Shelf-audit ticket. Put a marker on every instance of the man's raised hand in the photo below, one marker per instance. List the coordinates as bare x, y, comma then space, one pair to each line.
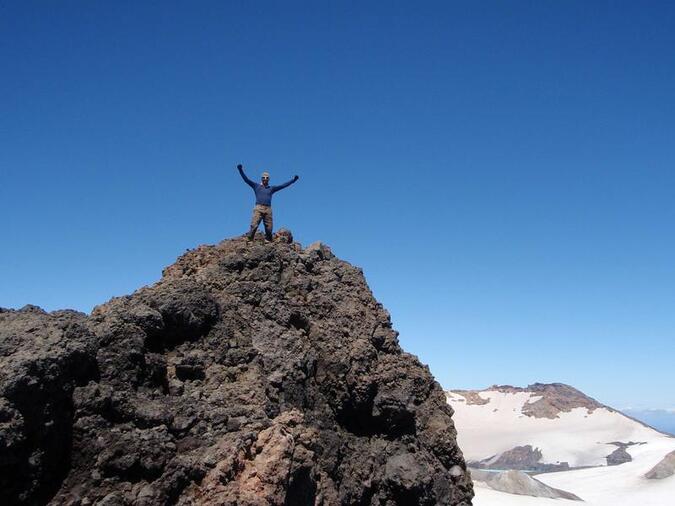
240, 166
295, 178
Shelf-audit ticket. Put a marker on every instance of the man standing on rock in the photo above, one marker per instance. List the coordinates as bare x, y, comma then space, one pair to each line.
263, 201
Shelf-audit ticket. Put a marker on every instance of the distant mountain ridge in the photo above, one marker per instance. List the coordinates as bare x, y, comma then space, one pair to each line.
555, 398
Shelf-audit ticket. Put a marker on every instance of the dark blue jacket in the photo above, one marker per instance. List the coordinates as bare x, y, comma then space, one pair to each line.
263, 194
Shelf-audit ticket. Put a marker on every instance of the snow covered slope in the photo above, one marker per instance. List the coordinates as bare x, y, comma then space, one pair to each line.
561, 425
623, 484
561, 422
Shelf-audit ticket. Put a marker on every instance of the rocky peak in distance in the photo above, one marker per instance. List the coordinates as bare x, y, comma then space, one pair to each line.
550, 399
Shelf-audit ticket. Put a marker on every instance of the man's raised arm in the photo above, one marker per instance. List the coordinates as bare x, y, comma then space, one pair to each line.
243, 176
287, 183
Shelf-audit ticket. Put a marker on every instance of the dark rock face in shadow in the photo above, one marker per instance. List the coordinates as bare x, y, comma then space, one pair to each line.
618, 456
251, 373
43, 358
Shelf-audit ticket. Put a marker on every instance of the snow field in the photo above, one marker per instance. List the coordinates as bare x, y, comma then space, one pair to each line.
579, 437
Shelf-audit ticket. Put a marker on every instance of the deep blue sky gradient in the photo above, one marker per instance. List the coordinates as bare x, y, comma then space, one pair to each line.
502, 171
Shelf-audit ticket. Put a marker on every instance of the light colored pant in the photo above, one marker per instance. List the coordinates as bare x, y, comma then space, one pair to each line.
264, 214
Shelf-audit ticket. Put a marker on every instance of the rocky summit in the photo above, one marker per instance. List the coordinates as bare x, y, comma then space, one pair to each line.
250, 374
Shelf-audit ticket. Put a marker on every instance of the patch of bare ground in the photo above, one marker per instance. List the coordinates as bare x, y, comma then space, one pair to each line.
471, 396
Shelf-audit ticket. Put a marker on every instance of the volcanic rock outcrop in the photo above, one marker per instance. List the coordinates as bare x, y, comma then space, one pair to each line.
250, 374
519, 483
664, 469
521, 458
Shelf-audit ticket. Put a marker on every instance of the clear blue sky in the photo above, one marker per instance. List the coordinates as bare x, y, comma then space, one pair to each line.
502, 171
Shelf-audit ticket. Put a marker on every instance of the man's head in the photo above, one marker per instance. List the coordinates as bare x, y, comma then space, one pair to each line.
265, 178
